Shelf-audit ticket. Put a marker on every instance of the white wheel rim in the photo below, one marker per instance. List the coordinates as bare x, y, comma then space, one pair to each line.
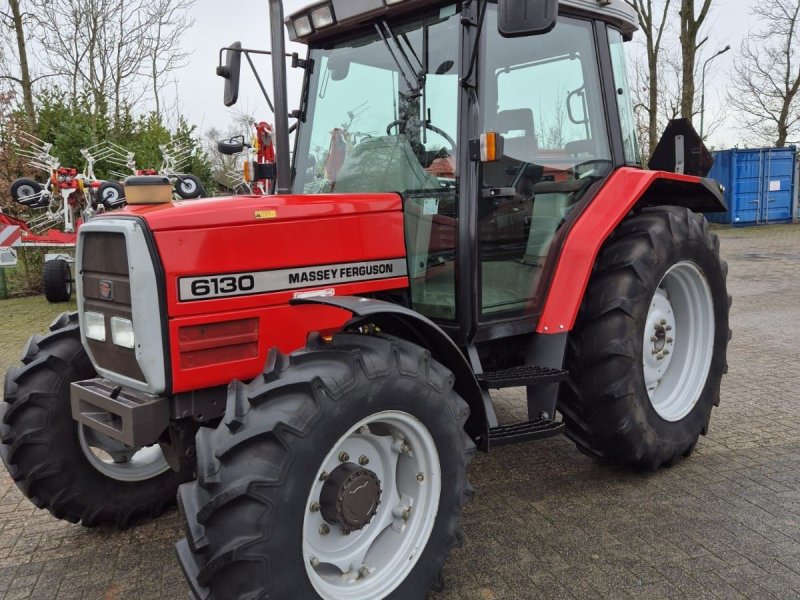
111, 195
117, 461
678, 341
374, 561
25, 192
188, 186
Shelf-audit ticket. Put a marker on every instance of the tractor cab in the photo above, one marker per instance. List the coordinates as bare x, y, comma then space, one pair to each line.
491, 140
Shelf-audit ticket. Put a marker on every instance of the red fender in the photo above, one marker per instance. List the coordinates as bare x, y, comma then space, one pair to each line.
623, 189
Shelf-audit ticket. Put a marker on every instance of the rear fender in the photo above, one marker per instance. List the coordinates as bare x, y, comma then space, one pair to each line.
625, 190
405, 323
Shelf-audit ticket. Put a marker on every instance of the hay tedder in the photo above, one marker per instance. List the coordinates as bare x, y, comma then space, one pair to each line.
311, 370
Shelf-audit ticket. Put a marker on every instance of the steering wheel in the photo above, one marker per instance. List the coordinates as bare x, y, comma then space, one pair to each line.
598, 162
433, 128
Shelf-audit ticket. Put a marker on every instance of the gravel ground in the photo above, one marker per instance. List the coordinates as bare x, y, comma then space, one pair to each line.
547, 522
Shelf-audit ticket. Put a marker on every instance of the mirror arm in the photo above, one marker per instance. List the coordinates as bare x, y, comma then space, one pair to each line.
465, 81
258, 79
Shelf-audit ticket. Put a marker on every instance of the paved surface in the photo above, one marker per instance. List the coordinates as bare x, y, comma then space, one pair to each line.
547, 522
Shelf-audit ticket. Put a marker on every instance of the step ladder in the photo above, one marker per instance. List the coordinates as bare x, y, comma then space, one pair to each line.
538, 428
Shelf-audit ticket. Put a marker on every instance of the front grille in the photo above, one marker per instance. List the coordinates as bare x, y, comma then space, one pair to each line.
106, 285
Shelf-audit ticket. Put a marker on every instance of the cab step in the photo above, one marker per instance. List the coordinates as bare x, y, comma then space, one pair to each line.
521, 376
524, 432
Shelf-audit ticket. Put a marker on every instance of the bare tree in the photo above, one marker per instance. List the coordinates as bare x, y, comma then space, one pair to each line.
168, 20
17, 19
116, 50
691, 24
653, 22
767, 79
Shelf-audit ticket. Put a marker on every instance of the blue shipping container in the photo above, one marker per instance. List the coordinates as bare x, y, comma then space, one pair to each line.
759, 185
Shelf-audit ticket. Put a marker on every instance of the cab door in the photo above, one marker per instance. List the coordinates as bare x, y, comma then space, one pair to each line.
544, 95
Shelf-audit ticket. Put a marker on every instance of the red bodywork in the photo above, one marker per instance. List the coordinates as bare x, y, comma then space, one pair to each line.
620, 193
214, 341
259, 233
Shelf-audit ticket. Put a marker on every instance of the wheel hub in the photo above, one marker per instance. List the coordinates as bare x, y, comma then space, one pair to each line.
350, 497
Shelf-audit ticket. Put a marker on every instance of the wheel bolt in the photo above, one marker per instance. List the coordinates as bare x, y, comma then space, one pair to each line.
660, 357
663, 321
363, 461
344, 457
666, 351
314, 561
405, 449
314, 507
406, 514
344, 531
670, 340
324, 529
668, 328
420, 478
363, 571
323, 476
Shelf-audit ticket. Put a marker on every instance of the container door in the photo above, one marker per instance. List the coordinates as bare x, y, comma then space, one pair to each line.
746, 196
777, 185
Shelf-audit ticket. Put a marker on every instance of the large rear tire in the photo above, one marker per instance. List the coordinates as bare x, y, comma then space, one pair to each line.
648, 351
257, 521
58, 464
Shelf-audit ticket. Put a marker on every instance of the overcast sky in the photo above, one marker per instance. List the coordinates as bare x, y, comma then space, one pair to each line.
218, 24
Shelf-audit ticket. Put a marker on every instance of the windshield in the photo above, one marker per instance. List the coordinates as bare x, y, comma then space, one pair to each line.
382, 110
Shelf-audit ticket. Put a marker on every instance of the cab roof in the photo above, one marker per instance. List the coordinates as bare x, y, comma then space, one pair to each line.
350, 14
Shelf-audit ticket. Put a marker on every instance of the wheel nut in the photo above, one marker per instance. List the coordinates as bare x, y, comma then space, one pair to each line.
405, 449
670, 340
668, 328
363, 461
363, 571
406, 514
344, 457
314, 561
663, 321
323, 476
324, 529
660, 357
666, 351
420, 478
314, 507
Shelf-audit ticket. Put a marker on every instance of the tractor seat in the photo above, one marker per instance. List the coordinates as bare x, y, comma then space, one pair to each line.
383, 164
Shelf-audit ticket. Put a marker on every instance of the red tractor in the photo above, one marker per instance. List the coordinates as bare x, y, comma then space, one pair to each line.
314, 368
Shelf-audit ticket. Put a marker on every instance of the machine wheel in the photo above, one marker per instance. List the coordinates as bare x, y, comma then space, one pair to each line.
111, 194
57, 281
27, 192
338, 474
189, 187
77, 474
648, 352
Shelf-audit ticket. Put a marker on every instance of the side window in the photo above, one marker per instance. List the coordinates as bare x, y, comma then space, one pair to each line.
624, 101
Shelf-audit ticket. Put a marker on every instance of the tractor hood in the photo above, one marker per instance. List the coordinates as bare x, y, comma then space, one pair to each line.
243, 210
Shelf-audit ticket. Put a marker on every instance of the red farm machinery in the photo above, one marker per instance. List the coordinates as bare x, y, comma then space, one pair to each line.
463, 210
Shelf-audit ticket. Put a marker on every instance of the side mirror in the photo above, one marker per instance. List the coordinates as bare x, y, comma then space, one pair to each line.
230, 72
517, 18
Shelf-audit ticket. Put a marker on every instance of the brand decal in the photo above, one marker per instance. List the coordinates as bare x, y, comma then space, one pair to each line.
106, 289
262, 282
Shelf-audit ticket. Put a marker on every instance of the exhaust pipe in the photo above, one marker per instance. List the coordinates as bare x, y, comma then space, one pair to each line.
283, 181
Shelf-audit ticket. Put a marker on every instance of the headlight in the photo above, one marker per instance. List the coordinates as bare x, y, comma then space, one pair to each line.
302, 26
322, 17
122, 332
95, 325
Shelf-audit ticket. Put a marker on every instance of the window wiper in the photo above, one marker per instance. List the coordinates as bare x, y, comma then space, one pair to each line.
382, 27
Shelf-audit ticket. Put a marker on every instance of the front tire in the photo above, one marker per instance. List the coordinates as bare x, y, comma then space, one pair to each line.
46, 454
648, 351
254, 527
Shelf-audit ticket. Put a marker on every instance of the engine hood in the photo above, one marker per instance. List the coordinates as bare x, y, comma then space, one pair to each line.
241, 210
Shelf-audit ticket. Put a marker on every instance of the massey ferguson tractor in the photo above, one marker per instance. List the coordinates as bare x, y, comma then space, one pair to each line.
311, 371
